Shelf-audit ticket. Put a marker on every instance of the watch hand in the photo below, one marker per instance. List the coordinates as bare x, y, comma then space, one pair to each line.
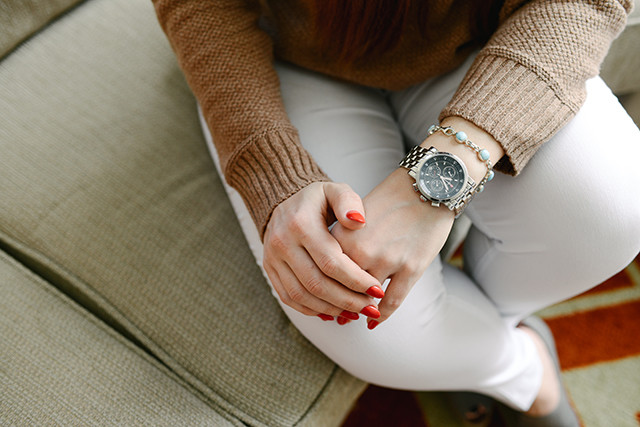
444, 181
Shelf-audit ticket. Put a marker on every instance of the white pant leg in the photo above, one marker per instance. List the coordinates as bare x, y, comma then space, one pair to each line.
572, 218
568, 222
443, 337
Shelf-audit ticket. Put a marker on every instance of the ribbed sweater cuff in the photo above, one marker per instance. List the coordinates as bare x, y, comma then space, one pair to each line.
520, 108
270, 168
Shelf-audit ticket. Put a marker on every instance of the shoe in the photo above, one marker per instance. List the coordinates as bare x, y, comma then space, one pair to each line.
563, 415
471, 409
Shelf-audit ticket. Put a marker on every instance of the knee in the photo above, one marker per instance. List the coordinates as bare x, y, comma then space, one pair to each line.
605, 173
619, 228
602, 225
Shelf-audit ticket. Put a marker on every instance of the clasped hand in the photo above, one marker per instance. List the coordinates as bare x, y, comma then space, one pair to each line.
339, 272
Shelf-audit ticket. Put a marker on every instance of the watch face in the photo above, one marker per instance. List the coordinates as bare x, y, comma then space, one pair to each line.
441, 177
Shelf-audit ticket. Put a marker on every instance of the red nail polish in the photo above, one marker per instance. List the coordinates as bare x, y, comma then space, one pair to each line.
325, 317
355, 216
372, 324
370, 311
342, 321
375, 291
349, 315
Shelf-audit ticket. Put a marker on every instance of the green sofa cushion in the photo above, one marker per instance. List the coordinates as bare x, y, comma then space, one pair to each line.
620, 67
108, 192
21, 18
59, 365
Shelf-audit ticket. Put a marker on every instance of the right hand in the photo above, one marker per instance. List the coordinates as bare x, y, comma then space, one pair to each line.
305, 263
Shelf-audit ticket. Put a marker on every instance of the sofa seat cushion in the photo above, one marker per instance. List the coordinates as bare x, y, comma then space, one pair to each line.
21, 18
108, 192
620, 67
60, 365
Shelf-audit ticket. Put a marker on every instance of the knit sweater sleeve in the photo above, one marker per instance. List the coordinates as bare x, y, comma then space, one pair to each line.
529, 79
228, 63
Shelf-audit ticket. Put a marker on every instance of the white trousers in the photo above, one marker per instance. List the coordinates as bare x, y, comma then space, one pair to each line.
569, 221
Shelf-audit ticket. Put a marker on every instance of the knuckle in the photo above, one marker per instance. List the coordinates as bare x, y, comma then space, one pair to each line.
411, 269
277, 241
414, 270
393, 303
298, 225
328, 264
344, 192
314, 286
296, 295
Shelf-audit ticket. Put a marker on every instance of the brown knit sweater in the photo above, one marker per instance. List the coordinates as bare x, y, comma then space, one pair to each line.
525, 84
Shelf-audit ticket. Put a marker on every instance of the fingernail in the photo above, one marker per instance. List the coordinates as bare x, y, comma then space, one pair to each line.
370, 311
342, 320
356, 216
349, 315
372, 324
325, 317
375, 291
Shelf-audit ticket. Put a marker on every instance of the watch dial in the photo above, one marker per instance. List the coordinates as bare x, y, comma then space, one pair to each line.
441, 177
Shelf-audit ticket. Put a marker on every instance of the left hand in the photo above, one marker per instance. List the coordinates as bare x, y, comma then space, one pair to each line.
402, 236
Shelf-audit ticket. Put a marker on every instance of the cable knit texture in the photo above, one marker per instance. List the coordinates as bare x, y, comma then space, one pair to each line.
525, 84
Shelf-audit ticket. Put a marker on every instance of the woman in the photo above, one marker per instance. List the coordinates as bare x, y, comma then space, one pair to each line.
510, 85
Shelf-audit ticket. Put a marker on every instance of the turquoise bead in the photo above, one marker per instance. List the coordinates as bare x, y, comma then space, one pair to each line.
461, 136
490, 176
480, 189
484, 155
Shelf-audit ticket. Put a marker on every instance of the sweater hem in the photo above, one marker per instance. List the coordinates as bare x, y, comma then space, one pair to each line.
271, 167
518, 106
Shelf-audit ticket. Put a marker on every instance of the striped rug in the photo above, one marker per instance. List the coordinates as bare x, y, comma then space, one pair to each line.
598, 340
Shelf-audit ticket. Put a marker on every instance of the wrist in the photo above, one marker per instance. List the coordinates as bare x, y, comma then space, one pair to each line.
397, 190
477, 168
454, 168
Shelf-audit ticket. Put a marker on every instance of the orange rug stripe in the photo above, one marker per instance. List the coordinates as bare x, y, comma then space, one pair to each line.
619, 281
598, 335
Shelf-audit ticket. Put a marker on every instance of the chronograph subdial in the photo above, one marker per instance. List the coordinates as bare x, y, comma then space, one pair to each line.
433, 171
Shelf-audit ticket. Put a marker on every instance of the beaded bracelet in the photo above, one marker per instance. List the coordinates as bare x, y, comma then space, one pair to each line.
461, 138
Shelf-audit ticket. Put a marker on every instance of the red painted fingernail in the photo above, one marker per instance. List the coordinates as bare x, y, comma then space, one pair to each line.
372, 324
342, 321
355, 216
325, 317
349, 315
370, 311
375, 291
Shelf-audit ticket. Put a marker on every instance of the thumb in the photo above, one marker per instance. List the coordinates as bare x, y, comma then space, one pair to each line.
346, 205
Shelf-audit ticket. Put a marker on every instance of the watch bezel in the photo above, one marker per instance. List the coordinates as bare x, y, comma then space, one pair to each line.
424, 192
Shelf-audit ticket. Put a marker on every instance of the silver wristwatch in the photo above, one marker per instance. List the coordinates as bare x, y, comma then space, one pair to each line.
441, 178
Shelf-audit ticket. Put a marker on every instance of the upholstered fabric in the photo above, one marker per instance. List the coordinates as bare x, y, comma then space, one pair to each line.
620, 68
21, 18
59, 364
109, 194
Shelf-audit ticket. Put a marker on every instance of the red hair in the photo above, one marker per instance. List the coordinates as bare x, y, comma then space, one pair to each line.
353, 29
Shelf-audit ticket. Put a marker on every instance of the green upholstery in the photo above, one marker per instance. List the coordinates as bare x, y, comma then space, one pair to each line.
21, 18
620, 68
108, 194
60, 365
